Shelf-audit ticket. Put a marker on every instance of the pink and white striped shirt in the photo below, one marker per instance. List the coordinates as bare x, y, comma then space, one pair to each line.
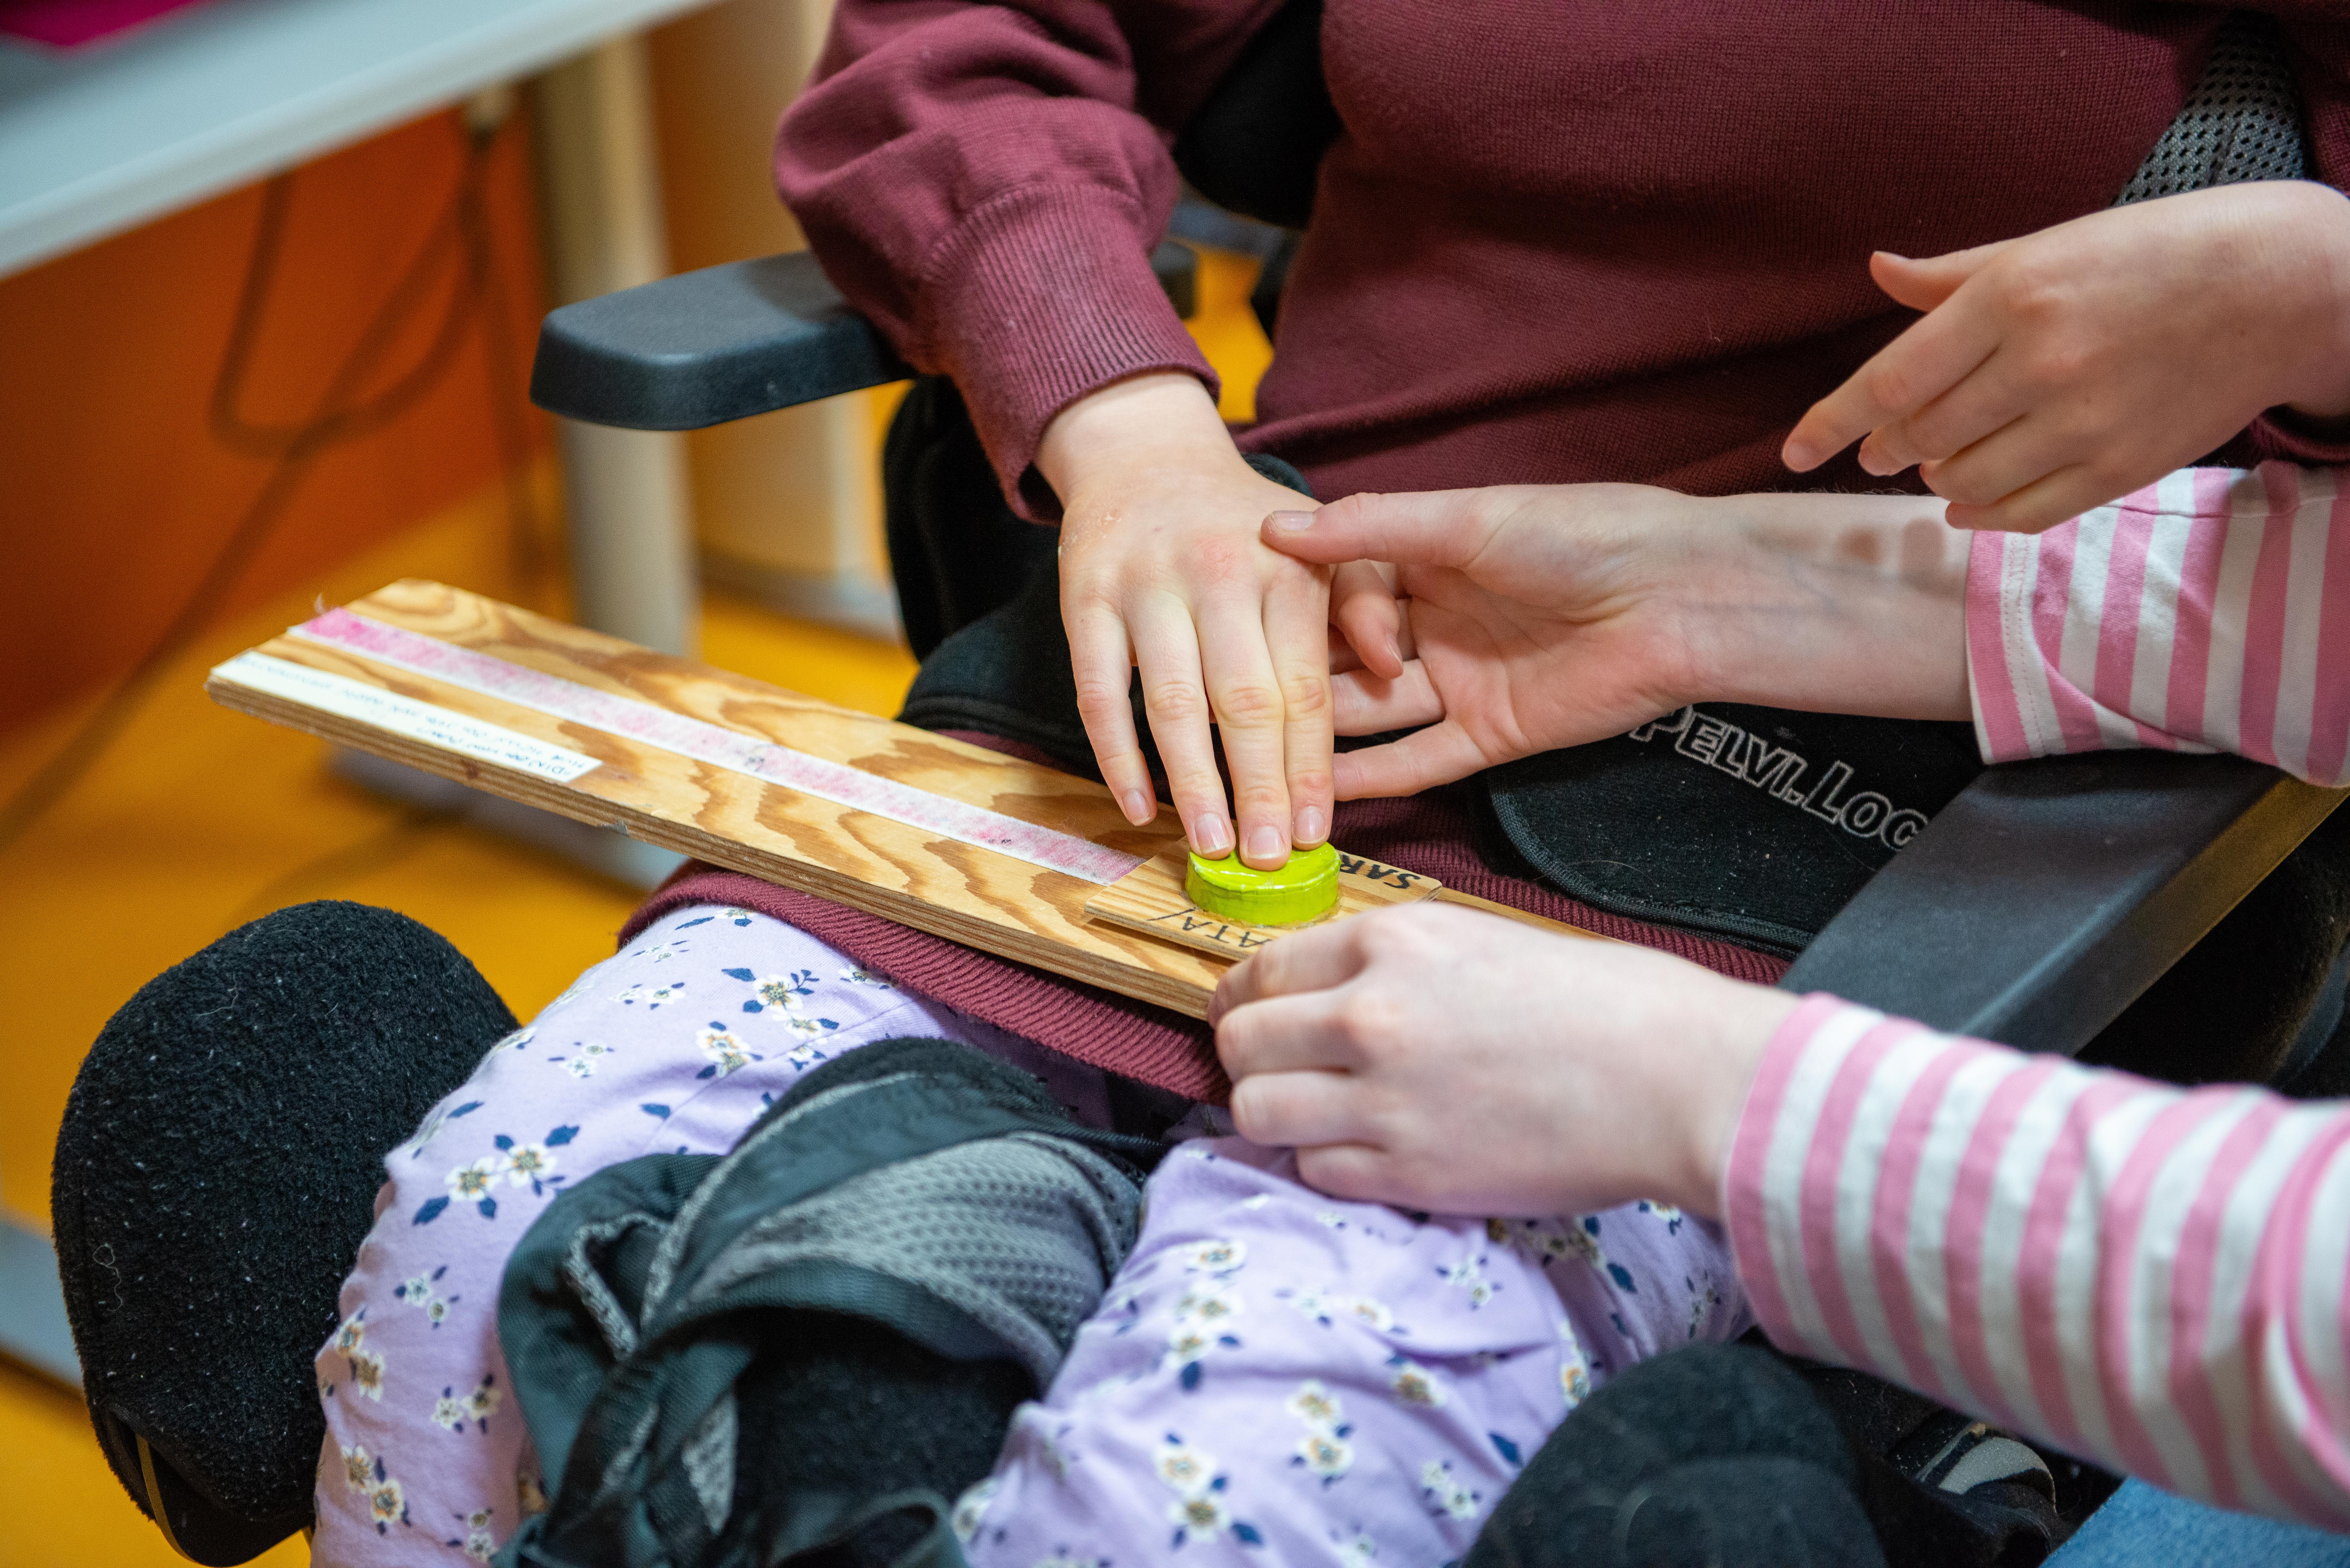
2209, 611
2153, 1278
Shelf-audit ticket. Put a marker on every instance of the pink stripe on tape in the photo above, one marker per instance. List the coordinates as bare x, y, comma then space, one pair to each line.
626, 717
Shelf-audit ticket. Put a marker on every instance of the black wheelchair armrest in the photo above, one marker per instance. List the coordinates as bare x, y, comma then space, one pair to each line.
2043, 899
727, 342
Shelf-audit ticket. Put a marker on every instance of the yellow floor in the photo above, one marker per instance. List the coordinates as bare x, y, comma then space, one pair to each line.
199, 819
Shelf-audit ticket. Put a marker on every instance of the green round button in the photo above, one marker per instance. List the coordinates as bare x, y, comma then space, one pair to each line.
1304, 889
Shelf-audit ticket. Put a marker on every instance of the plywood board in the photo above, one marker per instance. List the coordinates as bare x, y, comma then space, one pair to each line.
983, 898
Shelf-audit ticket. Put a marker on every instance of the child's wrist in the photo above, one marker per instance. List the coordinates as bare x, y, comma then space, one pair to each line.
2319, 219
1157, 420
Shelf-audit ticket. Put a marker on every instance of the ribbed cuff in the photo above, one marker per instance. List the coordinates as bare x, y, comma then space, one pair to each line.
1998, 629
2282, 433
1037, 298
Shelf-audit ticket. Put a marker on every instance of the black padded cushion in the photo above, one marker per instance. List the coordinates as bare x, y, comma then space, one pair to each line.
214, 1176
1254, 145
1753, 824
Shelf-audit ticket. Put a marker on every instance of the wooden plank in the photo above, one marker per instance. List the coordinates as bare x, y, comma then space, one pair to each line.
974, 895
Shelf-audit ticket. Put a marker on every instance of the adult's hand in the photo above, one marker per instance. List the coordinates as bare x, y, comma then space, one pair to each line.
1547, 616
2057, 372
1161, 569
1441, 1059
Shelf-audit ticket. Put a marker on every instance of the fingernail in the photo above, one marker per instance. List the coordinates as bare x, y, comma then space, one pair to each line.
1210, 838
1267, 844
1798, 456
1289, 522
1137, 806
1309, 826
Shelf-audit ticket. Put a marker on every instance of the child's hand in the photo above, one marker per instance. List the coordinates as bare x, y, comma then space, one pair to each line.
1440, 1059
2060, 371
1162, 569
1548, 616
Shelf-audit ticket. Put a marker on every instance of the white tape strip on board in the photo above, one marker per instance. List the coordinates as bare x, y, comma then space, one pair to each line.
402, 716
641, 721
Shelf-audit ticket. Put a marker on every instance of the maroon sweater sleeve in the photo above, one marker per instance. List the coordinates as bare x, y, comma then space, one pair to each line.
986, 182
2317, 38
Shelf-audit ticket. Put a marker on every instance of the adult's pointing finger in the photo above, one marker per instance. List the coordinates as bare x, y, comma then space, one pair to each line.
1425, 528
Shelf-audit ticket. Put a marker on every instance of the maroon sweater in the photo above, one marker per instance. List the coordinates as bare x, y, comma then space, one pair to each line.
1556, 241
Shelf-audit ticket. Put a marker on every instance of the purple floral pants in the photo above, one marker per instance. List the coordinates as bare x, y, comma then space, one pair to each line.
1275, 1377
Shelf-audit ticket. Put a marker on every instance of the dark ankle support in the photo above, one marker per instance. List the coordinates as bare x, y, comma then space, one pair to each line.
1715, 1454
214, 1175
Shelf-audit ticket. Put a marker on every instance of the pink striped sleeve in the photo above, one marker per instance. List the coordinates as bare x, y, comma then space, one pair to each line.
2209, 611
2152, 1278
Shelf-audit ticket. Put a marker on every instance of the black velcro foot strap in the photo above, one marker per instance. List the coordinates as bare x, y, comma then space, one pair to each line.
848, 1306
214, 1175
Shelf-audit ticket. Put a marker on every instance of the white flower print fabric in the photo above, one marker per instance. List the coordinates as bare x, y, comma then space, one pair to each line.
1274, 1376
1279, 1378
678, 1044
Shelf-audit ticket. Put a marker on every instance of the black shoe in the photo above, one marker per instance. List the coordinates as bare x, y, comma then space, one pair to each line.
214, 1176
1998, 1481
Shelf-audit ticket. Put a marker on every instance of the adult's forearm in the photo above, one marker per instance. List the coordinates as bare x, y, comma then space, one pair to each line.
2149, 1277
1847, 604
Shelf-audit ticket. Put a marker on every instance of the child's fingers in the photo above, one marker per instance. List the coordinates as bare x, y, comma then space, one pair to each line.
1921, 282
1308, 964
1984, 400
1285, 1037
1933, 356
1422, 759
2018, 453
1102, 663
1297, 635
1166, 652
1364, 704
1343, 657
1283, 1110
2054, 498
1244, 692
1352, 1171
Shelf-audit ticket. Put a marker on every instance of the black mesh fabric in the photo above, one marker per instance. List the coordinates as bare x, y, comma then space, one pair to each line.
2242, 123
